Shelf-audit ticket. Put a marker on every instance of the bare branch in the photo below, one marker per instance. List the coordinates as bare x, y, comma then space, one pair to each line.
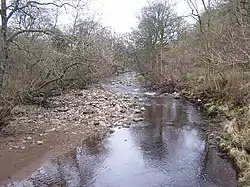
48, 32
32, 3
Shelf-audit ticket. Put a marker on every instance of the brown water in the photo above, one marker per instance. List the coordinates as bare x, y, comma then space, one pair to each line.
168, 148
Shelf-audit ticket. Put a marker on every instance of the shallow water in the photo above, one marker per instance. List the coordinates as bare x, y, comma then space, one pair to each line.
167, 149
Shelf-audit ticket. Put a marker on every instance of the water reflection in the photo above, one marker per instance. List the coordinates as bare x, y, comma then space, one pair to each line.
73, 169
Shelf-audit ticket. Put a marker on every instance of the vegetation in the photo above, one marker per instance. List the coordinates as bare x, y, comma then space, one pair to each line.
208, 62
38, 58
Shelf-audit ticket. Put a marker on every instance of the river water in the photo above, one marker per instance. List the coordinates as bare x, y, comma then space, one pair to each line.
168, 148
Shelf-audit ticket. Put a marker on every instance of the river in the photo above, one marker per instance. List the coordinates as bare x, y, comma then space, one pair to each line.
167, 148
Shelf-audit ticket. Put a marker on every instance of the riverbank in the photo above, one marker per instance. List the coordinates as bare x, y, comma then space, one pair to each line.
71, 118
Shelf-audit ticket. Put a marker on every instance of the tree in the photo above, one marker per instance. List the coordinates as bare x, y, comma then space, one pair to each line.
158, 27
19, 17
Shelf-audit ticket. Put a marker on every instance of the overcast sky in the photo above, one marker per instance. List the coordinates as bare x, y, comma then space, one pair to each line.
120, 15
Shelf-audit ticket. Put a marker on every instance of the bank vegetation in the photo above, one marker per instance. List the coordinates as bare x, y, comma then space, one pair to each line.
42, 54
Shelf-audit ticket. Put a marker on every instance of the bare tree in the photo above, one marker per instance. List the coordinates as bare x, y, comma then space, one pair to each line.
158, 27
19, 17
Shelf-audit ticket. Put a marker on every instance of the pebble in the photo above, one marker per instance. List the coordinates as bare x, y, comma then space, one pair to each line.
29, 138
39, 142
137, 119
143, 109
51, 130
16, 147
137, 111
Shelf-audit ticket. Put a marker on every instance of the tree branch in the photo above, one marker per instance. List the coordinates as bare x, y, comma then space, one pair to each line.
48, 32
30, 3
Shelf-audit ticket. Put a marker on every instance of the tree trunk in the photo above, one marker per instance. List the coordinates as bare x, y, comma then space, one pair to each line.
4, 45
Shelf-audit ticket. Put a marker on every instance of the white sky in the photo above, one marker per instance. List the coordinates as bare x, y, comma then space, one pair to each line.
120, 15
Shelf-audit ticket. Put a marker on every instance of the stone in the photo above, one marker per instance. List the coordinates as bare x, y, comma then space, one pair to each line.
96, 123
137, 119
176, 95
51, 130
29, 138
102, 123
23, 147
111, 131
122, 110
137, 111
143, 109
39, 142
16, 147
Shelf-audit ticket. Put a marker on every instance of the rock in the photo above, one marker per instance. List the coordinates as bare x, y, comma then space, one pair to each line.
126, 126
111, 131
211, 136
74, 133
39, 142
23, 147
122, 110
16, 147
137, 111
143, 109
176, 95
96, 123
199, 100
102, 123
51, 130
29, 138
137, 119
218, 138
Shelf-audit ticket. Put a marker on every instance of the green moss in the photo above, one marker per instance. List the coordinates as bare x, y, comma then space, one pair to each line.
211, 109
